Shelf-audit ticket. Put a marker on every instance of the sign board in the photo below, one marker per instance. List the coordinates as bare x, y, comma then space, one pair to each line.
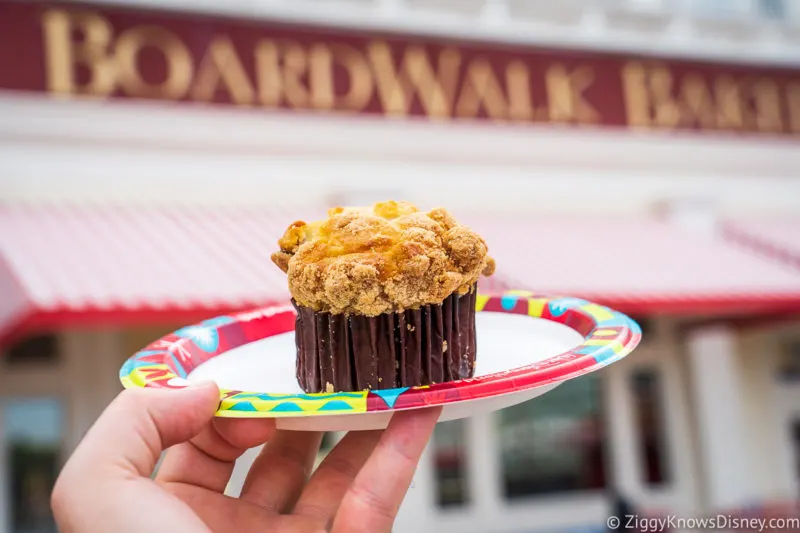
74, 50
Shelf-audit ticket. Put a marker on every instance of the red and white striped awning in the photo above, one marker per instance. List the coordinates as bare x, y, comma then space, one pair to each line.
61, 266
637, 265
775, 237
65, 265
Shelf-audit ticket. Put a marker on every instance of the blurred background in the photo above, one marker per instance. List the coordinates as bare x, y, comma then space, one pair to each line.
640, 153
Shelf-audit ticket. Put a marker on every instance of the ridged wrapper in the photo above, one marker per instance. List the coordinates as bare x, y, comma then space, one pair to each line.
349, 352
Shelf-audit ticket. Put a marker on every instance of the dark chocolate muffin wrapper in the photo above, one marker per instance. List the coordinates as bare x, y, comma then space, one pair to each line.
344, 353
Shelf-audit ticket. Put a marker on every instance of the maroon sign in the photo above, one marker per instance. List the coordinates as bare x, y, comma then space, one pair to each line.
107, 52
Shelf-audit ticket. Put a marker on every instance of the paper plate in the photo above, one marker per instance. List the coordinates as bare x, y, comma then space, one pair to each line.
527, 344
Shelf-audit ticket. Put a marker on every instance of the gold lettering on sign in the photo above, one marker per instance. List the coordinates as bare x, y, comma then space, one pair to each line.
323, 60
730, 114
332, 76
280, 69
764, 95
648, 96
697, 103
320, 77
397, 86
793, 104
520, 101
481, 89
177, 56
565, 94
362, 85
653, 98
221, 67
63, 54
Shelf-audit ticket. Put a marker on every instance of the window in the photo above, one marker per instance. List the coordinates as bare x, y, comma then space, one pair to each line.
772, 9
646, 324
789, 369
41, 349
554, 443
450, 460
33, 430
648, 411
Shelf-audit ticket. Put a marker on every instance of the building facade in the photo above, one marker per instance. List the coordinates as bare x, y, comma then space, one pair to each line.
149, 158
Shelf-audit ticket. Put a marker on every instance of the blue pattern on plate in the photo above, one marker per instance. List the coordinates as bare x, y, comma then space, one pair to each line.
390, 395
205, 335
287, 407
177, 366
508, 301
243, 406
336, 405
559, 307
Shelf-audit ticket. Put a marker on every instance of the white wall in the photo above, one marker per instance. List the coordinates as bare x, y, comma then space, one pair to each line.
52, 150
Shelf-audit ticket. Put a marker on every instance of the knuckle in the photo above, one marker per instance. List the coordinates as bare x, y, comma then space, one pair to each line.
374, 503
341, 466
398, 455
312, 510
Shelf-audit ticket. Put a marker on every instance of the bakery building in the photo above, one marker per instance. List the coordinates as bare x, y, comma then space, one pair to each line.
150, 158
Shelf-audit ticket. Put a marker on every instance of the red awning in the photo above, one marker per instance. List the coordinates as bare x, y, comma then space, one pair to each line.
62, 266
637, 265
78, 265
775, 237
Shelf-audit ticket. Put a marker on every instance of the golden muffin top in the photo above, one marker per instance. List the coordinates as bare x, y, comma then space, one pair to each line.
380, 259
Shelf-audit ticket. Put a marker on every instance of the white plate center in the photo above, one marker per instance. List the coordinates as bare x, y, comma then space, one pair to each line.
505, 342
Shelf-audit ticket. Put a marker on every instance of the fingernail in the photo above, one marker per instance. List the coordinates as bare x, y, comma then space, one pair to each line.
185, 383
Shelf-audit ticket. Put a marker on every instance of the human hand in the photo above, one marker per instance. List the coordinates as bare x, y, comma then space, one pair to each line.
106, 485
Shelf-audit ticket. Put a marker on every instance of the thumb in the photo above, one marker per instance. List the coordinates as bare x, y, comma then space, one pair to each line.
140, 424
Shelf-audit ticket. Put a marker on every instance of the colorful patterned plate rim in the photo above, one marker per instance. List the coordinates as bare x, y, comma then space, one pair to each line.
608, 336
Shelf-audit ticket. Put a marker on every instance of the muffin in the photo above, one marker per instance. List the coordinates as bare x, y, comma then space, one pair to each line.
385, 297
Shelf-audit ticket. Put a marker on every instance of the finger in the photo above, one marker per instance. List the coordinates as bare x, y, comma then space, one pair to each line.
208, 459
371, 504
111, 466
140, 424
322, 495
222, 514
281, 470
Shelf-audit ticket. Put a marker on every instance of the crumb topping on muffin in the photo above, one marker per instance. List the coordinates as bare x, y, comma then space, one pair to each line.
380, 259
